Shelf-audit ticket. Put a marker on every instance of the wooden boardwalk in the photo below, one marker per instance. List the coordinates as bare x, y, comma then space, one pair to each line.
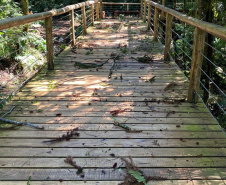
178, 141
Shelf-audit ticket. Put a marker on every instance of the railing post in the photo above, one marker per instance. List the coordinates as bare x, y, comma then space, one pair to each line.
141, 9
72, 27
84, 19
92, 14
127, 7
169, 19
49, 42
156, 22
97, 11
101, 9
145, 7
149, 16
197, 58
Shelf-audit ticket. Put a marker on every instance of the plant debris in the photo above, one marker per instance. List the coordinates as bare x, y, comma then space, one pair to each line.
170, 113
172, 84
134, 176
16, 122
145, 59
118, 111
128, 129
69, 160
90, 65
66, 136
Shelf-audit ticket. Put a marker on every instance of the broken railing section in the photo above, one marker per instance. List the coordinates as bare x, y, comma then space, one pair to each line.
162, 21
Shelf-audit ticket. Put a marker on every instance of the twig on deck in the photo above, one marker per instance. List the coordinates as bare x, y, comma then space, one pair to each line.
128, 129
66, 137
113, 65
69, 160
16, 122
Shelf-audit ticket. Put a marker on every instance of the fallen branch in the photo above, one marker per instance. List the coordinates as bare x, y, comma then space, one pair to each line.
170, 85
135, 176
66, 137
118, 111
128, 129
16, 122
144, 59
69, 160
89, 65
113, 65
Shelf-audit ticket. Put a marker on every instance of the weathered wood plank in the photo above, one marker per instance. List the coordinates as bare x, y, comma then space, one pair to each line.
108, 174
105, 152
98, 120
114, 134
116, 143
90, 162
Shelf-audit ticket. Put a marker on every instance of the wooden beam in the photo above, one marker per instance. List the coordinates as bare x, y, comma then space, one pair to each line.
145, 7
72, 27
97, 12
141, 8
92, 14
21, 20
127, 7
49, 42
196, 64
156, 22
149, 16
83, 9
168, 37
115, 3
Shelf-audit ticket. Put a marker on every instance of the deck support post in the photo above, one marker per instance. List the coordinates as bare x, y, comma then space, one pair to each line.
156, 22
101, 9
149, 16
49, 42
84, 19
196, 64
97, 11
92, 14
145, 7
169, 19
141, 8
72, 27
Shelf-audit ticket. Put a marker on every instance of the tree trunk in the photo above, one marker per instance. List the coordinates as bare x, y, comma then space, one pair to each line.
25, 10
206, 14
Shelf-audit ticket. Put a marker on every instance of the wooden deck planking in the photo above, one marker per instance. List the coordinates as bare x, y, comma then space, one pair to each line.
182, 146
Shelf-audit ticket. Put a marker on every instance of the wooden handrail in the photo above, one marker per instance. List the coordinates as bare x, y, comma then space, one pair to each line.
213, 29
109, 3
201, 28
17, 21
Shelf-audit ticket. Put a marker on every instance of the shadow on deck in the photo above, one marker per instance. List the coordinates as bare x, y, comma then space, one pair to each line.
178, 141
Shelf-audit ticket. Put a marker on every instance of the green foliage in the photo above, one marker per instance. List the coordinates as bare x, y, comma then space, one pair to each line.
28, 180
9, 8
138, 176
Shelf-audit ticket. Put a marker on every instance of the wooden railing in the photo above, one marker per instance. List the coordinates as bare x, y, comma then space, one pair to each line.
47, 16
201, 28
